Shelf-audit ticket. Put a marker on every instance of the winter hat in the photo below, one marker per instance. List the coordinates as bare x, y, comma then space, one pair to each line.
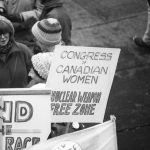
8, 22
47, 31
41, 64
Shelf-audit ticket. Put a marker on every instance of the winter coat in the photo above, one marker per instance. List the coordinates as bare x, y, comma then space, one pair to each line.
14, 70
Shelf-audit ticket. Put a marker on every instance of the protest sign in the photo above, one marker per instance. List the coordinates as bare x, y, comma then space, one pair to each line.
80, 79
25, 116
99, 137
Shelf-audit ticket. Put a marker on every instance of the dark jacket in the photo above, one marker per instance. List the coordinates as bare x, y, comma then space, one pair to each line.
14, 70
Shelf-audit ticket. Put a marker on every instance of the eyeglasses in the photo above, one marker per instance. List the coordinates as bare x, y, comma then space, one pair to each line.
4, 35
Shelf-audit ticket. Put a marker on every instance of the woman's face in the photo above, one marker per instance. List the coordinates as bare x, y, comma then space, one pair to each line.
4, 39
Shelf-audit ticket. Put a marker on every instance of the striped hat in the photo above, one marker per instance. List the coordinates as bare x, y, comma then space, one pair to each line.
47, 31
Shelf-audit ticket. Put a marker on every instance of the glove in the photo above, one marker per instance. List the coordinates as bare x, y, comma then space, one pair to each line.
15, 18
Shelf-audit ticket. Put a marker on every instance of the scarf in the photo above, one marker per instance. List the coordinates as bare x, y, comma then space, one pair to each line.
49, 5
5, 49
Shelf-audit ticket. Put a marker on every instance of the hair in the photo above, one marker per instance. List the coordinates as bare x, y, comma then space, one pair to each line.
5, 28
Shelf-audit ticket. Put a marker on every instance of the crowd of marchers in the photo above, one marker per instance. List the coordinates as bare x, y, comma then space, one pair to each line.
23, 67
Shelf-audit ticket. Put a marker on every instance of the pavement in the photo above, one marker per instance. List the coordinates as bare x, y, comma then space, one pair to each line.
105, 23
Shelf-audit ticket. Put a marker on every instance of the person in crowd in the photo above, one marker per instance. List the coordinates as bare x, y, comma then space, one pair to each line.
144, 41
55, 9
47, 34
15, 58
24, 13
41, 64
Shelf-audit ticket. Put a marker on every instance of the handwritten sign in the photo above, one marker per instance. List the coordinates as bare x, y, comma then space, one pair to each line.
25, 116
80, 80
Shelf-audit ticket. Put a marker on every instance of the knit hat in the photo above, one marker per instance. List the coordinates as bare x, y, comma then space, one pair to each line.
8, 22
47, 31
41, 64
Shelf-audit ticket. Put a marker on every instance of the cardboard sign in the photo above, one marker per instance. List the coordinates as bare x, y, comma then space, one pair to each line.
80, 80
25, 116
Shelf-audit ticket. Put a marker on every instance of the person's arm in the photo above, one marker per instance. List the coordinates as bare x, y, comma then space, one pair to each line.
27, 15
32, 14
35, 13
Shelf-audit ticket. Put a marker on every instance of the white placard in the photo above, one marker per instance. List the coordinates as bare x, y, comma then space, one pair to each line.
80, 80
26, 117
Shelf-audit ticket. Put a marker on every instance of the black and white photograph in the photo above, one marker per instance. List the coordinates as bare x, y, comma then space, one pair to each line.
74, 74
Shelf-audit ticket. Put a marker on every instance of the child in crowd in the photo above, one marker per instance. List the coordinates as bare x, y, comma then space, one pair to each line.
41, 64
47, 33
